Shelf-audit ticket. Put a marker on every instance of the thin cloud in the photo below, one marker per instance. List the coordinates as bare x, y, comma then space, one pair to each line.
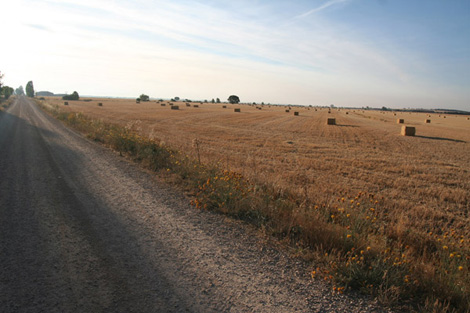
321, 8
39, 27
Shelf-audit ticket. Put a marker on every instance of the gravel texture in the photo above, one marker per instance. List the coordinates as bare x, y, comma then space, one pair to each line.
84, 230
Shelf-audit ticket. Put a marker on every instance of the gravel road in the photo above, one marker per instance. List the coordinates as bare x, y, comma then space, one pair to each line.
84, 230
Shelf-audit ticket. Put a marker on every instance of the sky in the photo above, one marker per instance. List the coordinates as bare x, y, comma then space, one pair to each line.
349, 53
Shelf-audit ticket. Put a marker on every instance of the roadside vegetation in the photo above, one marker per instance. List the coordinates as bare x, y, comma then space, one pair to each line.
5, 103
356, 240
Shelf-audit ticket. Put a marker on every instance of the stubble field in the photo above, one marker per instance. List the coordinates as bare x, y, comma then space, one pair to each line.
420, 184
425, 178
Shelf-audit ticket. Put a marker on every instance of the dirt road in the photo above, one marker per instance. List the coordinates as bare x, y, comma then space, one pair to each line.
83, 230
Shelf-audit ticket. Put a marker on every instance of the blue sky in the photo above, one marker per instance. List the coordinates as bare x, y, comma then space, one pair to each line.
376, 53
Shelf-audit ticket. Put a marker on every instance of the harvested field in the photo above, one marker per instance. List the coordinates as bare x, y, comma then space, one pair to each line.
424, 180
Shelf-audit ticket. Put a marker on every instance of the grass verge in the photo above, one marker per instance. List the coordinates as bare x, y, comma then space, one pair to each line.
4, 104
349, 237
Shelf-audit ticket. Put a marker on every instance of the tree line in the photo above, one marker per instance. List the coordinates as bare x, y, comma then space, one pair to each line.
7, 91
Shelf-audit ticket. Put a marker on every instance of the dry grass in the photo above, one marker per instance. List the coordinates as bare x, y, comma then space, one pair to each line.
4, 104
418, 186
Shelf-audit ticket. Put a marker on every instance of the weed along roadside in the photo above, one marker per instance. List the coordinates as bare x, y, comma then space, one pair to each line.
348, 238
5, 104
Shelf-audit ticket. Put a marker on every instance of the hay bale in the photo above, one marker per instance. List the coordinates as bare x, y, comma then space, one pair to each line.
236, 110
188, 105
468, 118
331, 121
400, 121
296, 113
347, 113
175, 107
100, 104
408, 131
66, 103
163, 104
196, 105
224, 107
287, 111
427, 121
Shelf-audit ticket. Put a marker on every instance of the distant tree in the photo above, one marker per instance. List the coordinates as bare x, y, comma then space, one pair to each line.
30, 89
7, 91
19, 91
218, 100
177, 98
233, 99
205, 101
73, 96
144, 97
213, 101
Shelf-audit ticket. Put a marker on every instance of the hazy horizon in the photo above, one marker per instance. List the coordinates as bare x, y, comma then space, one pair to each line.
397, 54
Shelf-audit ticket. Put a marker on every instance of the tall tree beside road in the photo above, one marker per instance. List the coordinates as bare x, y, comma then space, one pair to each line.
6, 91
30, 89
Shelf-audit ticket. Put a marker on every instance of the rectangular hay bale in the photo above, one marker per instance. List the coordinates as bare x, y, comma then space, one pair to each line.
331, 121
408, 131
427, 121
236, 110
175, 107
400, 121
